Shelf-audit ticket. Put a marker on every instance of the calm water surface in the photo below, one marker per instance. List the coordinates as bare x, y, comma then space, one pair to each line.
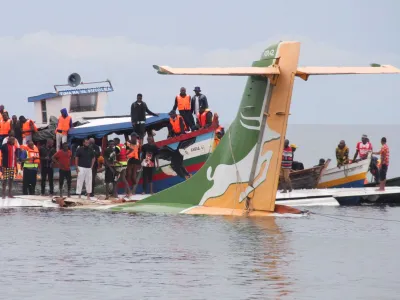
64, 254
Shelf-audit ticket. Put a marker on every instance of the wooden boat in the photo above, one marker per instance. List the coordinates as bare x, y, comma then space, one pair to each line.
351, 175
190, 150
307, 178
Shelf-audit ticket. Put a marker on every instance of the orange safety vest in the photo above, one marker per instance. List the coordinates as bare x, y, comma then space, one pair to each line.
176, 125
63, 124
5, 127
27, 126
133, 150
32, 153
202, 118
183, 102
219, 129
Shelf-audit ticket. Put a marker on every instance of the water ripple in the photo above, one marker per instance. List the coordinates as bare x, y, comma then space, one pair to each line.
53, 254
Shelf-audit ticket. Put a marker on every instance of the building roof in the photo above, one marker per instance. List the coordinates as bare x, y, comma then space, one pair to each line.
42, 97
103, 126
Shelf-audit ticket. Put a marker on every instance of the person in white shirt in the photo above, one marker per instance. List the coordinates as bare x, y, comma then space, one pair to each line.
199, 100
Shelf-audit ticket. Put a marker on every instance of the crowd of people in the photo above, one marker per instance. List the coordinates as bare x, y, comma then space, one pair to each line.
194, 114
363, 149
21, 158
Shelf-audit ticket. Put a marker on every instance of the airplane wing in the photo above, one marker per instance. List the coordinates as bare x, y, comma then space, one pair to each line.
235, 71
305, 72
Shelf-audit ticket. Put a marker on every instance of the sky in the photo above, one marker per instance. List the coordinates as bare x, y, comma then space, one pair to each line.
42, 42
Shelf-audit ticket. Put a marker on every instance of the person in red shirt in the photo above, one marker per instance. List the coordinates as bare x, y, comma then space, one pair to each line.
62, 159
384, 153
363, 148
8, 163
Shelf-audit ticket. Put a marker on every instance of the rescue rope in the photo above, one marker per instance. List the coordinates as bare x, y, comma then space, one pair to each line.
355, 217
238, 178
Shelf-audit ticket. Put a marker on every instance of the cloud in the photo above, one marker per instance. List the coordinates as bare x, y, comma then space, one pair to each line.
33, 63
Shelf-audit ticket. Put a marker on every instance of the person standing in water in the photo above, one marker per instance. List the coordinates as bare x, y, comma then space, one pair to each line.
149, 163
132, 147
46, 153
121, 165
97, 151
9, 163
31, 161
109, 162
62, 159
84, 161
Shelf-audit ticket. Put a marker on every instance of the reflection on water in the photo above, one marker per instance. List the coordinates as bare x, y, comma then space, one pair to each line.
66, 254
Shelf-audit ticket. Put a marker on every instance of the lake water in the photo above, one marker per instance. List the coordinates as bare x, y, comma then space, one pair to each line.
66, 254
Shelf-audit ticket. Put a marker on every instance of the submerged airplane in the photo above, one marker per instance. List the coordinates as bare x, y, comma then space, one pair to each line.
241, 176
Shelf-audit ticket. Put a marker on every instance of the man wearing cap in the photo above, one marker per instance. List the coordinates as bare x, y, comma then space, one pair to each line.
363, 148
199, 101
138, 116
184, 104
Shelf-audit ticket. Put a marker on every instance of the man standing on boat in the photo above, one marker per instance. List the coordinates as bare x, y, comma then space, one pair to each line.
63, 126
384, 153
30, 157
5, 127
46, 153
16, 127
9, 155
287, 160
84, 161
138, 116
28, 128
183, 103
199, 101
62, 159
363, 148
342, 154
97, 152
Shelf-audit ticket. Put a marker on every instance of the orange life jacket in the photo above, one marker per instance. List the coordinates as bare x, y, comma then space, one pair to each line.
63, 124
122, 156
176, 124
219, 129
31, 153
27, 126
5, 127
203, 118
183, 102
133, 150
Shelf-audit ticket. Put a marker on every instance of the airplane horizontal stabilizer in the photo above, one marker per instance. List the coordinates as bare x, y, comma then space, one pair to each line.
305, 72
230, 71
